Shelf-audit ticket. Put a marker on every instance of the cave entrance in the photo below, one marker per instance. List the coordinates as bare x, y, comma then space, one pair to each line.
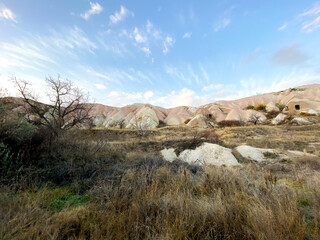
297, 107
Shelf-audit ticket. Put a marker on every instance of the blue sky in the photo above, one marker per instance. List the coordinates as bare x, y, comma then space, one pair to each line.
167, 53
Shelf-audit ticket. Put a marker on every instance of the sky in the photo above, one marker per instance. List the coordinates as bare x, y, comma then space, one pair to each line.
167, 53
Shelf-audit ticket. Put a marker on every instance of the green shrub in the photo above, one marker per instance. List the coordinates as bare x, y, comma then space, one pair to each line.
249, 107
260, 107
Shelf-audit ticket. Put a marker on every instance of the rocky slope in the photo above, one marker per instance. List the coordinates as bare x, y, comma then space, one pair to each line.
304, 99
293, 101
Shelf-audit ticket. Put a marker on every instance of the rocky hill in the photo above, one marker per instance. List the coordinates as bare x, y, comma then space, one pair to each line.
294, 101
303, 100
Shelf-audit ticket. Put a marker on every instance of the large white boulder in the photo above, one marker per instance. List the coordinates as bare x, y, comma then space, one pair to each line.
279, 119
146, 118
168, 154
271, 107
209, 154
300, 121
257, 154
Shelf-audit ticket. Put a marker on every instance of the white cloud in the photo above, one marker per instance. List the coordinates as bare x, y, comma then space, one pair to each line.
183, 98
100, 86
311, 18
312, 11
193, 75
120, 99
6, 13
177, 74
187, 35
223, 23
283, 27
96, 8
138, 37
212, 87
146, 50
311, 26
168, 42
120, 16
204, 73
147, 95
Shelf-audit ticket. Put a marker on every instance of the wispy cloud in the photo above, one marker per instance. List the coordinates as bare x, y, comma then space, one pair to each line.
146, 50
283, 27
213, 87
96, 8
121, 15
44, 53
176, 74
311, 18
168, 42
187, 35
290, 55
204, 73
100, 86
223, 23
6, 13
312, 11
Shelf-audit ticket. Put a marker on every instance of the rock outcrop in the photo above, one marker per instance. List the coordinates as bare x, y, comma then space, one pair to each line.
300, 121
146, 118
257, 154
246, 116
271, 107
279, 119
206, 154
301, 100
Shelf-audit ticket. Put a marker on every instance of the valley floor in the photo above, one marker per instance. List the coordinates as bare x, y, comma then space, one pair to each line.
114, 184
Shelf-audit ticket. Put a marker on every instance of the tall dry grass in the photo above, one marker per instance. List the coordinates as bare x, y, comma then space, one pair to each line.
162, 203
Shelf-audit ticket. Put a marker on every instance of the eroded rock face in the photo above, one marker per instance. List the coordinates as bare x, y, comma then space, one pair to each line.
209, 154
198, 121
146, 118
279, 119
271, 107
246, 116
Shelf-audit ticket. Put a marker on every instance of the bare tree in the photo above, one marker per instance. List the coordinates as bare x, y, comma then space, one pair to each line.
66, 109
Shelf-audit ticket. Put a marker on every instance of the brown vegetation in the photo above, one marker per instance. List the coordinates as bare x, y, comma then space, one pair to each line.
107, 184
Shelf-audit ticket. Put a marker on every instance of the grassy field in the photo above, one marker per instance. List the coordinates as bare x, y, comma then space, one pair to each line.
113, 184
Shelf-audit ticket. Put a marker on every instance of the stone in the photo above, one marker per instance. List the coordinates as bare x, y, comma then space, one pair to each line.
209, 154
279, 119
198, 121
146, 118
300, 121
257, 154
246, 116
168, 154
271, 107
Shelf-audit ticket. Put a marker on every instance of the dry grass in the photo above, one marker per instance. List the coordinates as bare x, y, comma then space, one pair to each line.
220, 203
117, 187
